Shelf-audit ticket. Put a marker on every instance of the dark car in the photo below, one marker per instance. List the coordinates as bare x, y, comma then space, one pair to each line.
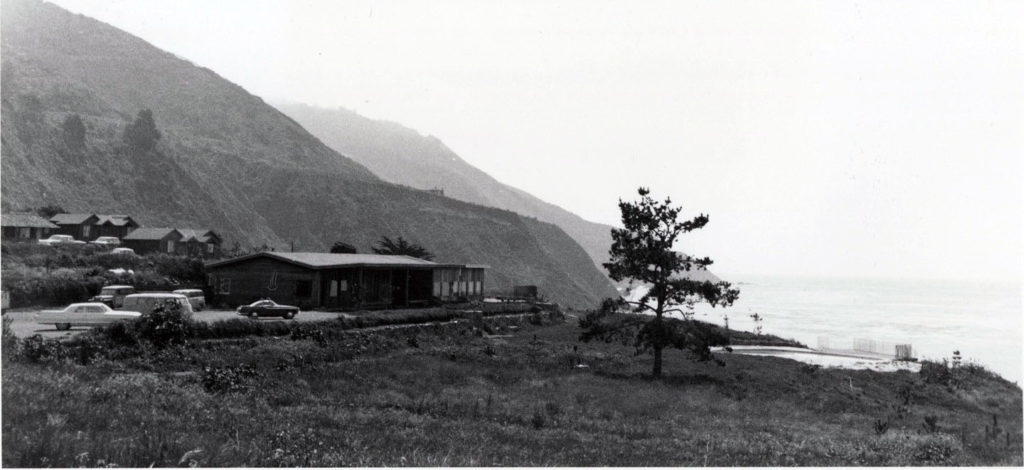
113, 296
268, 308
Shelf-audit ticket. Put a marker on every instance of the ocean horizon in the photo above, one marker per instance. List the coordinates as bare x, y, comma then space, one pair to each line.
981, 319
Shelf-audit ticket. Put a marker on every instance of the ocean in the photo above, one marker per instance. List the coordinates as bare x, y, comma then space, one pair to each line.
980, 319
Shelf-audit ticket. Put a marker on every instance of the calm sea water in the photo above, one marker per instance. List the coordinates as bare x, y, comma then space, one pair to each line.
980, 319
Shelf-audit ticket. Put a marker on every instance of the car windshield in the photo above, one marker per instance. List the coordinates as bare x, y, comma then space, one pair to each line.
108, 291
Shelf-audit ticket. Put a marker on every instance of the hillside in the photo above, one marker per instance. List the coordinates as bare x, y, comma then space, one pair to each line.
227, 161
401, 155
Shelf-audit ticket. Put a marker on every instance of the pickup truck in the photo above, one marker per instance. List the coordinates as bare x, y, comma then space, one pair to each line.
60, 240
83, 314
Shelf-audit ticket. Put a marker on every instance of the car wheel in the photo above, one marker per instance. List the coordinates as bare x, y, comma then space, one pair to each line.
63, 326
289, 315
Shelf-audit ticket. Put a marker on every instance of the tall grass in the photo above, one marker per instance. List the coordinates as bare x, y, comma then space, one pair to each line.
375, 398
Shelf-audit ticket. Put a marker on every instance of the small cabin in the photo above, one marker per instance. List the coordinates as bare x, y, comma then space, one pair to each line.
25, 227
200, 242
80, 226
114, 225
153, 240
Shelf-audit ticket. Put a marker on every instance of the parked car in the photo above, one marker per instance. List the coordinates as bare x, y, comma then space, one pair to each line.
107, 241
84, 314
113, 296
268, 308
60, 240
195, 297
123, 251
147, 302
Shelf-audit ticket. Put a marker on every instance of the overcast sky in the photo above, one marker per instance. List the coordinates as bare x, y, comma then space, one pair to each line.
823, 138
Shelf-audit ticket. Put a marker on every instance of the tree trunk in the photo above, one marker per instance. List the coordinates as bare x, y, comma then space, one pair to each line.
657, 361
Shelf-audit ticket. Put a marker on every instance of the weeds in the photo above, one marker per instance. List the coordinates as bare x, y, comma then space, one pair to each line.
228, 379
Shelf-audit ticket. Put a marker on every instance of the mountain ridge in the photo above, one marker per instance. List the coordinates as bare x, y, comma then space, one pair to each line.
402, 155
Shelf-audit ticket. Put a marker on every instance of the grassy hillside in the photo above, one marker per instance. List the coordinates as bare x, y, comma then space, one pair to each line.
446, 395
401, 155
226, 160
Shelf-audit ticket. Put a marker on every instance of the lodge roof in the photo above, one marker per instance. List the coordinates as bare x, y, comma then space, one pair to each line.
150, 233
25, 219
335, 260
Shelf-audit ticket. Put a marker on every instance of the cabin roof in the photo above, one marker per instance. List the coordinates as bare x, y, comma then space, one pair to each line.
201, 235
25, 219
71, 219
151, 233
118, 220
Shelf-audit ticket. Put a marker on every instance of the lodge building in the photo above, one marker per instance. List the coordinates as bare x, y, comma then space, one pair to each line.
342, 280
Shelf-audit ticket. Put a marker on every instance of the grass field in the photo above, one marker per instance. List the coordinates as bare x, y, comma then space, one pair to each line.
528, 395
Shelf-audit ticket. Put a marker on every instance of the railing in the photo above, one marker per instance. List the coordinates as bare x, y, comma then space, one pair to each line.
866, 346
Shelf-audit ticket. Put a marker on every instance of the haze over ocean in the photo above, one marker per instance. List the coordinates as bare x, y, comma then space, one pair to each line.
981, 319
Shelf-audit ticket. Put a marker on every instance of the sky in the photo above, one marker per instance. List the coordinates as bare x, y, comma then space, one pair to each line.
848, 139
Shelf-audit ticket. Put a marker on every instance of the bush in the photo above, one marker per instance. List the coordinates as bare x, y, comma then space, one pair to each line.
165, 325
36, 349
122, 333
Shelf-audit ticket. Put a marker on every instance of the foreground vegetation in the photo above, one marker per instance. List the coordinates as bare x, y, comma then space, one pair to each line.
520, 391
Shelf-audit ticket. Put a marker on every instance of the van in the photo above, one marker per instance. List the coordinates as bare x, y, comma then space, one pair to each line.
195, 297
146, 303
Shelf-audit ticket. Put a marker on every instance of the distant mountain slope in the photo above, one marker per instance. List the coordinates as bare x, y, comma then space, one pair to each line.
401, 155
226, 160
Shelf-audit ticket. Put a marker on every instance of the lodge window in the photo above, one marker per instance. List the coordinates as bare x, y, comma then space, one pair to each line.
25, 232
303, 288
225, 285
209, 247
85, 231
170, 246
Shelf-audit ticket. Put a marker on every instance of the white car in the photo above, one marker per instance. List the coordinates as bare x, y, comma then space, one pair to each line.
84, 314
60, 240
107, 241
123, 251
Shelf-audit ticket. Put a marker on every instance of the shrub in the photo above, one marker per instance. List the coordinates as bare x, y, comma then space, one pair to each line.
165, 325
122, 333
36, 349
936, 373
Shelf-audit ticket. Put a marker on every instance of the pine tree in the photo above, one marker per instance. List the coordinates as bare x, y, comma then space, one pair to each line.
142, 135
643, 251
